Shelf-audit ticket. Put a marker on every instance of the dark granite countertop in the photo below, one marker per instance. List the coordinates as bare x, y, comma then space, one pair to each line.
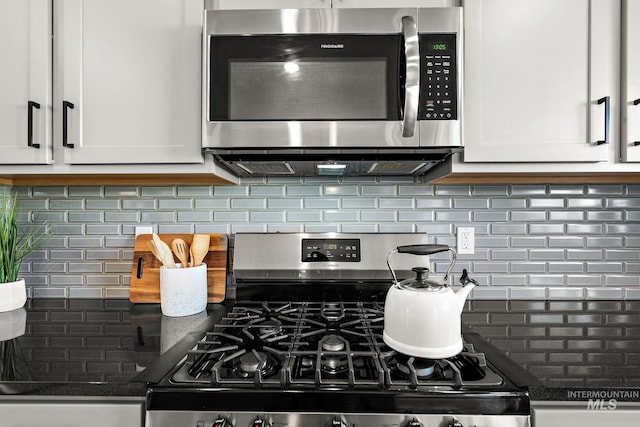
107, 347
86, 347
577, 349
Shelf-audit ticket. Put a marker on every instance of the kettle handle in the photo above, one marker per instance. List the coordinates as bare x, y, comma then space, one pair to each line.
422, 249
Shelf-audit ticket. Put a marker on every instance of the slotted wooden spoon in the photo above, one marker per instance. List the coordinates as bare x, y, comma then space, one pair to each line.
181, 250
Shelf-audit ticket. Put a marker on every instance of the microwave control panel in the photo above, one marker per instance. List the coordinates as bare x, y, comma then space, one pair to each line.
438, 77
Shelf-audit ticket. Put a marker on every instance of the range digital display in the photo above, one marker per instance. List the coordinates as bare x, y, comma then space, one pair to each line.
323, 250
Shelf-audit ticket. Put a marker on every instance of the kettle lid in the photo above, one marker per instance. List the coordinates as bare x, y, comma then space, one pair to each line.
421, 281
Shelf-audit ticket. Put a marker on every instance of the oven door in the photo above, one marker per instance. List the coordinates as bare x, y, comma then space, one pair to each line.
311, 78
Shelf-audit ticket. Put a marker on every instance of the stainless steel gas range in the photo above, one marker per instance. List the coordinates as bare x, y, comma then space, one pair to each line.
302, 345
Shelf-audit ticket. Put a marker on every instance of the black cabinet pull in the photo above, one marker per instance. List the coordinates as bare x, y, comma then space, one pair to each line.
636, 102
31, 106
607, 118
65, 106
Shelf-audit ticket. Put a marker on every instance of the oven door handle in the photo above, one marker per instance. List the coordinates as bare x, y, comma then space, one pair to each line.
412, 81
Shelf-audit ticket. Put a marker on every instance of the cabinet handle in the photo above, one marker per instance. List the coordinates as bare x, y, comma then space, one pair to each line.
636, 102
65, 106
31, 106
607, 118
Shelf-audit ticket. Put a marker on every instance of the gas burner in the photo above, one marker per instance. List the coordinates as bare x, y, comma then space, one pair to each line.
332, 312
333, 343
269, 327
424, 368
254, 362
334, 364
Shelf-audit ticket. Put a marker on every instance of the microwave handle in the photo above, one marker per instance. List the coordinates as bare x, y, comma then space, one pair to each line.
412, 80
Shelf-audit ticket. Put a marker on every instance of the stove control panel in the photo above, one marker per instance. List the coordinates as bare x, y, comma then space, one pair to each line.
323, 250
279, 419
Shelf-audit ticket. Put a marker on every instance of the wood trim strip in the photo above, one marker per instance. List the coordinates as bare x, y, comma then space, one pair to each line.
129, 179
206, 179
532, 178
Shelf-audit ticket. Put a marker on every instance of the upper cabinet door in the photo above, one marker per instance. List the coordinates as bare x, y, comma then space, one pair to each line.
540, 80
128, 81
25, 82
266, 4
392, 3
631, 81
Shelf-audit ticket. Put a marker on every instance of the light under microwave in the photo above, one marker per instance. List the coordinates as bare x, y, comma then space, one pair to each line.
335, 83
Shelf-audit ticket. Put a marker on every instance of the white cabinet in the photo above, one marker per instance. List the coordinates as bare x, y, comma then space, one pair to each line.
540, 80
266, 4
25, 82
392, 3
630, 90
127, 80
20, 411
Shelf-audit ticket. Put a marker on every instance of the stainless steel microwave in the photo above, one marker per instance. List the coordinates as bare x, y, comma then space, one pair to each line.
332, 91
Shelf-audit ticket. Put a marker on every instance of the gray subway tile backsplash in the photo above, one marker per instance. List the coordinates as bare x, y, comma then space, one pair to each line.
533, 242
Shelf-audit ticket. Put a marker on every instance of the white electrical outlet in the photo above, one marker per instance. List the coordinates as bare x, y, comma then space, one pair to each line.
466, 240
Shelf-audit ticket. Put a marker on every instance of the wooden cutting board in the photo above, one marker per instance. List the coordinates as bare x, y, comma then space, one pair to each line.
145, 272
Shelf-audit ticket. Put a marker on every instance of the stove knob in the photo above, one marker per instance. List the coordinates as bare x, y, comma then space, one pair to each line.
455, 423
414, 423
259, 422
337, 422
221, 422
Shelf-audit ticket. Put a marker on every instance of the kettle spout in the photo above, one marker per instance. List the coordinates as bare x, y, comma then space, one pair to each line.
462, 294
467, 285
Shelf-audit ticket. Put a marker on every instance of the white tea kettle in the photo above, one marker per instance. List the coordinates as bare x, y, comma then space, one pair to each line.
422, 315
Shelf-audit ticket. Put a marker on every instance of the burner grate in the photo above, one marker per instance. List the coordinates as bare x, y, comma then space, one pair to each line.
319, 345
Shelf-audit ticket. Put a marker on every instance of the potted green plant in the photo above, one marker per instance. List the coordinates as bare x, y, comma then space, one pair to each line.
15, 245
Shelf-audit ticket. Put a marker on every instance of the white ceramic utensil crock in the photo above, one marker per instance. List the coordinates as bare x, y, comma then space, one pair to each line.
422, 315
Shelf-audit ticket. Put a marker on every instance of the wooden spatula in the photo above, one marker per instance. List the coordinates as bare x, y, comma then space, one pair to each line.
199, 248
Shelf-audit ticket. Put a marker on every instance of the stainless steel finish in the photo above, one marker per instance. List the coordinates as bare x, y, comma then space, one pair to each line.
412, 82
330, 137
255, 259
305, 21
242, 419
298, 134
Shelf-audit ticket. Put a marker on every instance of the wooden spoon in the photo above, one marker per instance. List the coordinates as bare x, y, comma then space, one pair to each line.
154, 251
199, 248
181, 250
164, 252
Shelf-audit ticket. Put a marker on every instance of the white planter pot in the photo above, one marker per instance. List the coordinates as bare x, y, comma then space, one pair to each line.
13, 295
13, 324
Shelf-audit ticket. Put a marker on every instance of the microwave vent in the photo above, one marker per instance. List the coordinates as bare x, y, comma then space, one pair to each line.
266, 168
397, 168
